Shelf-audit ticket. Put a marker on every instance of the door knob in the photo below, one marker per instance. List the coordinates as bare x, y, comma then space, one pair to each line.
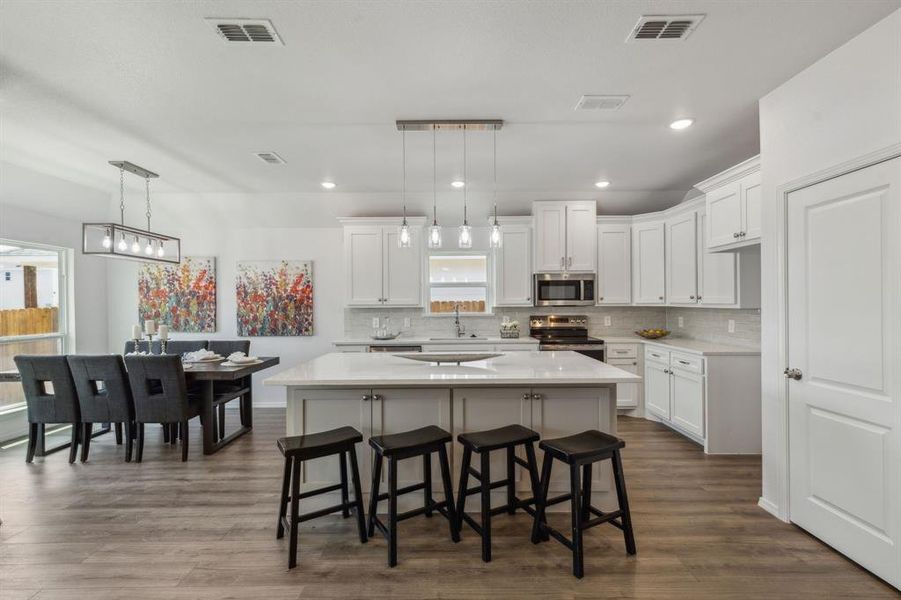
793, 374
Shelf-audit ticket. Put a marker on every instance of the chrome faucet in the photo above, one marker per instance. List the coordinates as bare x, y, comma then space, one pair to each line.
458, 326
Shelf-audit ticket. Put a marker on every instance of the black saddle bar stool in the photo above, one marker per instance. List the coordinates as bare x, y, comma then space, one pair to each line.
299, 448
582, 450
396, 447
482, 443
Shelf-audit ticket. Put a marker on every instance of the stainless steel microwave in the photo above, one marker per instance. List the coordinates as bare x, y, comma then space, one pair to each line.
563, 289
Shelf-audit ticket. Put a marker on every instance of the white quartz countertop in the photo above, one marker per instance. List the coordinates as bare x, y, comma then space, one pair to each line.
425, 341
363, 369
688, 345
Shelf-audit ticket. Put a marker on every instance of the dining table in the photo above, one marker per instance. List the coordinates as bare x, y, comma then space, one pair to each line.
205, 375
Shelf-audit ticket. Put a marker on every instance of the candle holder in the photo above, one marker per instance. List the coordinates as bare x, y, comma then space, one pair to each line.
149, 343
135, 347
163, 345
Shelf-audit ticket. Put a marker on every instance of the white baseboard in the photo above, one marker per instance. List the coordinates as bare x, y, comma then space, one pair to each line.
770, 508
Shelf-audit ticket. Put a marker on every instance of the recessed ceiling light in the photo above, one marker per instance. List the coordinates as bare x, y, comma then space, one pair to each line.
681, 124
457, 183
329, 185
601, 184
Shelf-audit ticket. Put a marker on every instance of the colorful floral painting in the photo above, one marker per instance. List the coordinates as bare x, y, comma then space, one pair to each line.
182, 296
274, 298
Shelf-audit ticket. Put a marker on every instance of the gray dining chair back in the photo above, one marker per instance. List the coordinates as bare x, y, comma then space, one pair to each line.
179, 347
130, 346
226, 347
104, 393
50, 397
53, 403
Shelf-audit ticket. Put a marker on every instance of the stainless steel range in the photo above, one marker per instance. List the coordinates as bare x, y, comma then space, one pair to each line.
566, 332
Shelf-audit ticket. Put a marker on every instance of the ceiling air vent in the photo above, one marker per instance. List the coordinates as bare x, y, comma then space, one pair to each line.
589, 102
246, 31
270, 157
664, 27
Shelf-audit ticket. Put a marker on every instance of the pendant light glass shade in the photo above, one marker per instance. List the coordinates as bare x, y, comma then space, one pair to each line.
495, 239
434, 235
465, 239
404, 235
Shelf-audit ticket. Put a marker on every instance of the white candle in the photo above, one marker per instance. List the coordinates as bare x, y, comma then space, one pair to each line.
150, 326
136, 332
164, 332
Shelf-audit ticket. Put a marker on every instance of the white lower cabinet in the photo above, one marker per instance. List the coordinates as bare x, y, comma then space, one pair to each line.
626, 357
675, 390
656, 389
687, 395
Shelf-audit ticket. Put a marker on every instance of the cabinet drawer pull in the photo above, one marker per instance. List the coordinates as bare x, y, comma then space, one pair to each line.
684, 362
621, 351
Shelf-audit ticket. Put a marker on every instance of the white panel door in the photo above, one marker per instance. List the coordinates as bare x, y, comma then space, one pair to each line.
844, 335
751, 197
648, 267
513, 267
688, 401
550, 236
682, 260
724, 215
614, 279
626, 393
656, 389
399, 410
717, 280
402, 269
363, 266
581, 236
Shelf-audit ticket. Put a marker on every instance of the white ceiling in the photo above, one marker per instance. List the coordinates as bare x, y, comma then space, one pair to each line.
84, 82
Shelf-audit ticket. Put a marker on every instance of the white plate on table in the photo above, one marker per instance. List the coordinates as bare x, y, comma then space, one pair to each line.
243, 363
211, 359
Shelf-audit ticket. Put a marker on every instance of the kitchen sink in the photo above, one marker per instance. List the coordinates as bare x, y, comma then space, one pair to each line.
458, 339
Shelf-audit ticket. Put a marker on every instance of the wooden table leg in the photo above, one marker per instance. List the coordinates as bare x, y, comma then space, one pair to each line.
247, 405
209, 421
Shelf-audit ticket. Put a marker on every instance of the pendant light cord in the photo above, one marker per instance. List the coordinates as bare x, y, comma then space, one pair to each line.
465, 180
404, 158
494, 144
147, 187
434, 177
122, 195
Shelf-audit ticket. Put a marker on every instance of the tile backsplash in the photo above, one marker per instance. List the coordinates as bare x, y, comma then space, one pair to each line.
698, 323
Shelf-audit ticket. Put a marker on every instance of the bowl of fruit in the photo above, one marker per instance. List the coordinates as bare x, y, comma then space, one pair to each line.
653, 334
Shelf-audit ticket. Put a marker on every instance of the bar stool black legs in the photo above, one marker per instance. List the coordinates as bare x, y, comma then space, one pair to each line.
482, 443
299, 448
396, 447
579, 452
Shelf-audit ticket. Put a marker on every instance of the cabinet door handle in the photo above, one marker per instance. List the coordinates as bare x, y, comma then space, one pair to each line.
660, 297
377, 397
620, 351
526, 397
691, 297
600, 297
366, 397
735, 235
569, 261
744, 233
634, 362
536, 396
562, 261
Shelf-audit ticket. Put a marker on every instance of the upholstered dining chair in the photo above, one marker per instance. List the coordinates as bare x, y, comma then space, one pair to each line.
104, 396
50, 398
161, 396
177, 347
229, 389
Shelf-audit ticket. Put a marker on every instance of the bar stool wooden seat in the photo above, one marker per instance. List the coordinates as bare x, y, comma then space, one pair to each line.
482, 443
582, 450
299, 448
396, 447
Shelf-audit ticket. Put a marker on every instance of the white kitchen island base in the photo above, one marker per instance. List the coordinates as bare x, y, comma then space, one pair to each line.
554, 393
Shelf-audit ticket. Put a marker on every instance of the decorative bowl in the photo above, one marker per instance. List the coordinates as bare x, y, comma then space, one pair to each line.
653, 334
448, 357
389, 336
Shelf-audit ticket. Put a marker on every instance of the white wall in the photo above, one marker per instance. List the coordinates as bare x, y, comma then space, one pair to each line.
230, 244
844, 107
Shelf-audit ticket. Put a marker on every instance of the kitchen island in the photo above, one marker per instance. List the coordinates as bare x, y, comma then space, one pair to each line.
554, 393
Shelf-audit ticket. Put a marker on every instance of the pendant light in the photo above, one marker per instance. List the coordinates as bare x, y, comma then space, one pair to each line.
494, 238
404, 235
118, 240
434, 228
464, 241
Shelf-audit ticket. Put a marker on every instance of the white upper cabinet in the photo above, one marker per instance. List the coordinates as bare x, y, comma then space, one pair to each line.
565, 236
513, 266
648, 264
682, 259
377, 272
614, 280
733, 206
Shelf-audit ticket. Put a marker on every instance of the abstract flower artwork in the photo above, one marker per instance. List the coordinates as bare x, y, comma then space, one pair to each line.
182, 296
274, 298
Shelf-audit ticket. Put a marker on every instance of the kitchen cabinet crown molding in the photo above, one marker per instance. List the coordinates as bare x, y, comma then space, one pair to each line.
742, 169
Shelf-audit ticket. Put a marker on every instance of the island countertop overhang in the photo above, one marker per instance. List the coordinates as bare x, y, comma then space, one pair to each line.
351, 370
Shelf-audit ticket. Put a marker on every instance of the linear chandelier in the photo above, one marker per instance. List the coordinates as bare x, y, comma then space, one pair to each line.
118, 240
464, 239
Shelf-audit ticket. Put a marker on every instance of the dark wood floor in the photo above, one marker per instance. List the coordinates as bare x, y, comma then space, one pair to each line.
205, 529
